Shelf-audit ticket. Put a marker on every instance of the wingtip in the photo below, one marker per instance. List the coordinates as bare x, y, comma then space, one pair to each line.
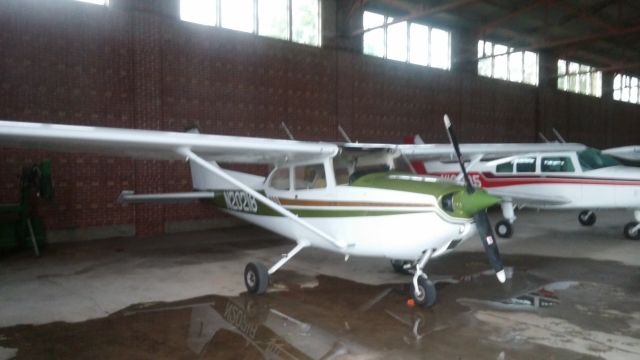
502, 277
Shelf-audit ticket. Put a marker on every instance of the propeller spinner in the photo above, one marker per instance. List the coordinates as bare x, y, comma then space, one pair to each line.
480, 217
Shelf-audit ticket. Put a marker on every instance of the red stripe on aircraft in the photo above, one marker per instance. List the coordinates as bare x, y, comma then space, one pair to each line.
489, 180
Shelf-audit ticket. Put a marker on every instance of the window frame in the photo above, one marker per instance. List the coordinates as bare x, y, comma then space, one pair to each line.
570, 80
388, 21
508, 53
256, 21
626, 83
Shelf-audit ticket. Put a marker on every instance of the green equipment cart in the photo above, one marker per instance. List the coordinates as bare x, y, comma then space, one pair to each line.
19, 227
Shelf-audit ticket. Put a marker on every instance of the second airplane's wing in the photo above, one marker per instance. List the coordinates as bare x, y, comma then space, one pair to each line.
629, 153
493, 150
152, 144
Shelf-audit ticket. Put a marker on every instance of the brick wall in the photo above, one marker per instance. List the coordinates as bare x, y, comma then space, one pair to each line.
135, 65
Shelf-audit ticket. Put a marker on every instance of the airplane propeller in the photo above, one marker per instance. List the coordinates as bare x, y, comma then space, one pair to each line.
480, 217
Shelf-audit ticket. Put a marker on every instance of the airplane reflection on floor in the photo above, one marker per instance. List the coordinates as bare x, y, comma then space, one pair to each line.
337, 319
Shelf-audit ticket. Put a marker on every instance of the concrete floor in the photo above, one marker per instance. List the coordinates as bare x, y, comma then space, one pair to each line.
573, 294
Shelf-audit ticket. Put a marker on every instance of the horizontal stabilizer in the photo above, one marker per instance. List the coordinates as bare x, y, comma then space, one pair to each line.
128, 196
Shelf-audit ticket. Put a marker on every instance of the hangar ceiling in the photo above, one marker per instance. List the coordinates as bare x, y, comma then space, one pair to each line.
602, 33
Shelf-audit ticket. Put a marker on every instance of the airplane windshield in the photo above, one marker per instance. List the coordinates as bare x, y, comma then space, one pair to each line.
591, 159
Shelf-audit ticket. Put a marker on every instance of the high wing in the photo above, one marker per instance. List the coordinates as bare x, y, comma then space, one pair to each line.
152, 144
203, 151
630, 153
488, 151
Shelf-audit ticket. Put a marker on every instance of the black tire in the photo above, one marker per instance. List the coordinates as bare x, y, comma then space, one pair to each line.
627, 231
427, 294
504, 229
399, 267
587, 218
256, 278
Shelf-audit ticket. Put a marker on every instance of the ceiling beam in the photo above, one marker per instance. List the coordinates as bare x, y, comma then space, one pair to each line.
585, 14
585, 38
491, 26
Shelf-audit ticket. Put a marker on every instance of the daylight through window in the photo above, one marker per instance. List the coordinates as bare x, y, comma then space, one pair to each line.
294, 20
97, 2
579, 78
405, 41
626, 88
502, 62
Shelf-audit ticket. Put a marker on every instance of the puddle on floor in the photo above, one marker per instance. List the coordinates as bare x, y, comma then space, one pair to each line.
548, 309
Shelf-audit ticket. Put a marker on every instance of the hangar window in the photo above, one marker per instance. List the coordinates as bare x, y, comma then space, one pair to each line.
503, 62
579, 78
404, 41
626, 88
203, 12
293, 20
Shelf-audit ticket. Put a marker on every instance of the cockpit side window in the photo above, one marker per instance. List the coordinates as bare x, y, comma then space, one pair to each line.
557, 164
506, 167
310, 177
280, 179
342, 170
526, 164
591, 159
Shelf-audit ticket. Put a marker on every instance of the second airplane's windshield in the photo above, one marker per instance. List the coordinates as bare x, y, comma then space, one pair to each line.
591, 159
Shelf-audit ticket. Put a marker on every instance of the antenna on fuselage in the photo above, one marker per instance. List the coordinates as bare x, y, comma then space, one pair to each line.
286, 129
542, 137
344, 134
558, 136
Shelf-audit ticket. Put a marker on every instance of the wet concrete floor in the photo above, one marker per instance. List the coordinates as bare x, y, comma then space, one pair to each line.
549, 308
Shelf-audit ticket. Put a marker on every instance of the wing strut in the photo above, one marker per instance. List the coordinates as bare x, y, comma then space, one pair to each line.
191, 156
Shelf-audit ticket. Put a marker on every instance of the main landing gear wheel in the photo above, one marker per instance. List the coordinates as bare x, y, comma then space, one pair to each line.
629, 232
256, 278
403, 266
504, 229
426, 293
587, 218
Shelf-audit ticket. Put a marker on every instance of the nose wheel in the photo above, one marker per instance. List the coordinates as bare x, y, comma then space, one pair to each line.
422, 290
425, 294
504, 229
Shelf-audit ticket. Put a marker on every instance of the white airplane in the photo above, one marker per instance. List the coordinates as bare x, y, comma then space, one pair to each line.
543, 176
352, 199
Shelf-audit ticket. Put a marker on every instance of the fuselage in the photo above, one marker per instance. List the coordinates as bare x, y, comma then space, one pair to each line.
373, 221
357, 200
576, 180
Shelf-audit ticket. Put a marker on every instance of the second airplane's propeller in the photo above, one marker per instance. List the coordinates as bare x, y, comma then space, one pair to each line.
480, 217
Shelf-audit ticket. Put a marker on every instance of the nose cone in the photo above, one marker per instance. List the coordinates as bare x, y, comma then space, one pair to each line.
472, 203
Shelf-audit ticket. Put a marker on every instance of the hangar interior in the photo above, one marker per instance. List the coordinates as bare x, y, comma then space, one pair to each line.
504, 71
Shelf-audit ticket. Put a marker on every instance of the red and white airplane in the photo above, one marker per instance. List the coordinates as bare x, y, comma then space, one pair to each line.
541, 176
